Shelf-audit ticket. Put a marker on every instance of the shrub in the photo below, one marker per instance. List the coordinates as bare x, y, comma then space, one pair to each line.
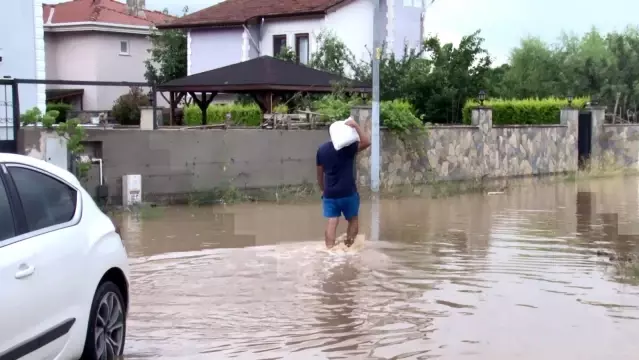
281, 109
126, 109
398, 116
248, 115
62, 110
332, 108
525, 111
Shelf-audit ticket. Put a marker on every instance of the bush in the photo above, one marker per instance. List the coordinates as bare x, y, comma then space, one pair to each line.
526, 111
247, 115
62, 110
332, 108
281, 109
126, 109
398, 116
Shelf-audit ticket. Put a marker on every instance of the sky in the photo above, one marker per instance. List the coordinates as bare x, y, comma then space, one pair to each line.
503, 23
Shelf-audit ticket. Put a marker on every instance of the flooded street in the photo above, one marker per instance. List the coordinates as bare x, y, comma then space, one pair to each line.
512, 276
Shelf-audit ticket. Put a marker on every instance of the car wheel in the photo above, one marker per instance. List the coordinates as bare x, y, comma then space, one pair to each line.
107, 324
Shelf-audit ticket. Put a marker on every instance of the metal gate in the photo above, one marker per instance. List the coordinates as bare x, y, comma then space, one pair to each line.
584, 137
9, 116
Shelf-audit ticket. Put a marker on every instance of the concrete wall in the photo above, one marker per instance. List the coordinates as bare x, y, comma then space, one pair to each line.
95, 56
179, 162
471, 152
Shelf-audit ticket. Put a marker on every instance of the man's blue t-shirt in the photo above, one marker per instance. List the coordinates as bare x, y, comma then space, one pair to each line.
339, 170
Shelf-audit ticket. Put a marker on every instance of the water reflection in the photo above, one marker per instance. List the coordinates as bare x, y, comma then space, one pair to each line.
473, 276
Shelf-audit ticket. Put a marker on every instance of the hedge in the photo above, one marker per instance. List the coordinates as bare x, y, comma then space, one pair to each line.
525, 111
248, 115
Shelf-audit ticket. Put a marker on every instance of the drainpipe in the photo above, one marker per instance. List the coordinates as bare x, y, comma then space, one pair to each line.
257, 46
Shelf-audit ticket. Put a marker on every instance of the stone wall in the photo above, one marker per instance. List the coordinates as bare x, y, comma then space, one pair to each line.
471, 152
620, 144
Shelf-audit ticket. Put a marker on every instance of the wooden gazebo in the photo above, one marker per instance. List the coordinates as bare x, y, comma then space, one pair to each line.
264, 78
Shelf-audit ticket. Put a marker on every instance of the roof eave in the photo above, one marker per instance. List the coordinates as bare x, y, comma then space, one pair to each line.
248, 88
210, 24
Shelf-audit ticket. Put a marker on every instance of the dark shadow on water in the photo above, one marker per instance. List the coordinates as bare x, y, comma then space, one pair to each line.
337, 314
607, 233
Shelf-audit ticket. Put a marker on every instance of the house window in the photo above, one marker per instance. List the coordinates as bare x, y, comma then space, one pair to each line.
279, 44
124, 47
302, 48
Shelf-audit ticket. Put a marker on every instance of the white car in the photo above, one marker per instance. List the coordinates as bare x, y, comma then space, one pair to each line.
64, 288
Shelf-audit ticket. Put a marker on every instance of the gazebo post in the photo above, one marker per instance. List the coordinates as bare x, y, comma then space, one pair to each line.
172, 106
203, 103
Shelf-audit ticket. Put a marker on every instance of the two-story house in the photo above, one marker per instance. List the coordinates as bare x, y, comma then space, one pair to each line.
96, 40
239, 30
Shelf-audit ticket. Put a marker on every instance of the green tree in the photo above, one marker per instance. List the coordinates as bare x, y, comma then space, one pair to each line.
168, 59
332, 55
287, 54
439, 84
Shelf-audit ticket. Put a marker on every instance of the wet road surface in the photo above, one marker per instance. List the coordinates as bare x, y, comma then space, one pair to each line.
512, 276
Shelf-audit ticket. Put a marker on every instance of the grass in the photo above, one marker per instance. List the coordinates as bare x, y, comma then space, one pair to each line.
601, 168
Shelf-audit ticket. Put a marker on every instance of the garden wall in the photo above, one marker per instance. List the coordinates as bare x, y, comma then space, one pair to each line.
474, 151
178, 162
620, 143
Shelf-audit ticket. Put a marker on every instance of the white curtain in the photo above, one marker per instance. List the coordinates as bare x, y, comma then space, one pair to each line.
304, 50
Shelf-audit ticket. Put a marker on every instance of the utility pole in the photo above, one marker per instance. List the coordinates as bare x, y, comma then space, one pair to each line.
375, 146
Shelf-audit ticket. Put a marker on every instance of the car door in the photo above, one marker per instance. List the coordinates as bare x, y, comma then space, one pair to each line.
45, 260
17, 323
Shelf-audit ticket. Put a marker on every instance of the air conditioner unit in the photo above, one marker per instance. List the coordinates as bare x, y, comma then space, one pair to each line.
131, 190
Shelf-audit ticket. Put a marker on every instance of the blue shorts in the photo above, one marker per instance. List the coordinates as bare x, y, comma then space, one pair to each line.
349, 206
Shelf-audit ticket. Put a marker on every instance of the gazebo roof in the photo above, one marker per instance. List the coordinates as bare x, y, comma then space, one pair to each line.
264, 73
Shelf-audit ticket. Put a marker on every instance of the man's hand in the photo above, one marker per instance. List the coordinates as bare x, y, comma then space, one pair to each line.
352, 123
364, 139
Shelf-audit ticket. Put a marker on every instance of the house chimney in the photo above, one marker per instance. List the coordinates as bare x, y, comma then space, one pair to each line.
136, 7
131, 6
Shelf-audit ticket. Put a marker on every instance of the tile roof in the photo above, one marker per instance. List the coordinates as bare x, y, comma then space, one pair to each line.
236, 12
261, 74
108, 11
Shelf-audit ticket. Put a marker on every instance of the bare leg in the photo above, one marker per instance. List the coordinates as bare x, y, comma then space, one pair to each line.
352, 230
331, 232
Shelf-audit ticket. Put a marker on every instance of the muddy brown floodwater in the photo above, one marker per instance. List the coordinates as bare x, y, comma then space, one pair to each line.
512, 276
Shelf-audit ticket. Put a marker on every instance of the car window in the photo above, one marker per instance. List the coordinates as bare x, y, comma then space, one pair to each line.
45, 200
7, 228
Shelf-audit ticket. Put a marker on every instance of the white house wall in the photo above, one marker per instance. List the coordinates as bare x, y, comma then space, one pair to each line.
95, 56
214, 48
289, 27
73, 56
353, 23
406, 25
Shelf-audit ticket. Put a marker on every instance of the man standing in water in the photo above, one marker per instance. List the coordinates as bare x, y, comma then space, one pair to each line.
336, 178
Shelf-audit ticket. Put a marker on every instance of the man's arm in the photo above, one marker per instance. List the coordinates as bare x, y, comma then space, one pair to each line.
364, 138
320, 177
320, 172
